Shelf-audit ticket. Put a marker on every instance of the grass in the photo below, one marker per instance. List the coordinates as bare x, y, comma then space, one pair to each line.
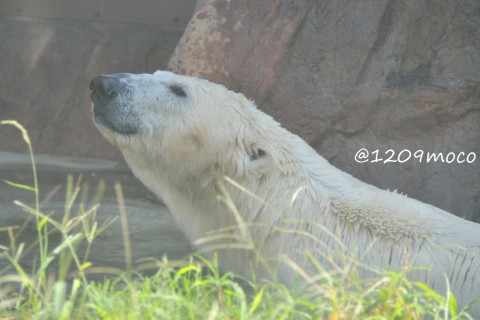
59, 286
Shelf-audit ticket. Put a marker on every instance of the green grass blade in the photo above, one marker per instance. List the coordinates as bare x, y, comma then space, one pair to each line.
429, 291
256, 301
452, 305
19, 185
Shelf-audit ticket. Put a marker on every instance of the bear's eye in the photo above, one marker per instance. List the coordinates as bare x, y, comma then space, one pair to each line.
177, 90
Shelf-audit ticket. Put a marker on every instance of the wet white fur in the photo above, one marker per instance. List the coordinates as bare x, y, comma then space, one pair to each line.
189, 145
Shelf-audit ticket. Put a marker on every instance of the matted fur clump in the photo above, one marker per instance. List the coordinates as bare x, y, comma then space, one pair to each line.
235, 180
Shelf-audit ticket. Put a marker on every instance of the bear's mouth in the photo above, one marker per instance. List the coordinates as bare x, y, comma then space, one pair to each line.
101, 119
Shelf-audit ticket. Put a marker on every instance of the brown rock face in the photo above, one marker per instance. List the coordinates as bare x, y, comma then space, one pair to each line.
399, 75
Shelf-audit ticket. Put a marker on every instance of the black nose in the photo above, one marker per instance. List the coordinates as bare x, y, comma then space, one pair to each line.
107, 86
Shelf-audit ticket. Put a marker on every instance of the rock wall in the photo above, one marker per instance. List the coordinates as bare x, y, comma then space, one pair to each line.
46, 65
346, 75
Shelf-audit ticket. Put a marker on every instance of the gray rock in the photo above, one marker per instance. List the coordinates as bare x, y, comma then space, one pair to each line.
359, 74
46, 67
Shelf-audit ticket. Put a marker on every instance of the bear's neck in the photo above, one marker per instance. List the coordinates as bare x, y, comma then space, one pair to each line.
188, 198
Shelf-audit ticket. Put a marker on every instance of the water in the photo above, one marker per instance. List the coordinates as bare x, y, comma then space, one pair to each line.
152, 231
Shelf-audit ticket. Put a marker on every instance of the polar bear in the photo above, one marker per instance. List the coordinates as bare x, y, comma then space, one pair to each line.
237, 182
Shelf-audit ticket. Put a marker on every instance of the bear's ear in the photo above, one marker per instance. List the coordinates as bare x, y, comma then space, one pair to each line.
256, 154
259, 159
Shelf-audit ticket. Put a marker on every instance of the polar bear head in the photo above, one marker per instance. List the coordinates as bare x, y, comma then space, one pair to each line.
184, 124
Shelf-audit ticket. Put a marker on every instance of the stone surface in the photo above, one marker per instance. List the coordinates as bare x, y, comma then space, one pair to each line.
164, 13
152, 231
346, 75
46, 68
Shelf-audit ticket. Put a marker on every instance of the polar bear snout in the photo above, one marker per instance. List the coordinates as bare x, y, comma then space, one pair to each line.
112, 104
